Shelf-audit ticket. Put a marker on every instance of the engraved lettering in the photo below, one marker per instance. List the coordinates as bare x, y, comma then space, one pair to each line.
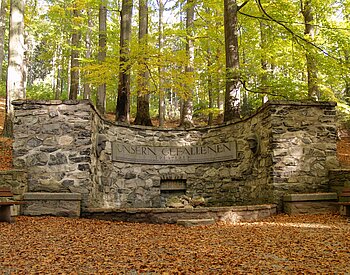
174, 154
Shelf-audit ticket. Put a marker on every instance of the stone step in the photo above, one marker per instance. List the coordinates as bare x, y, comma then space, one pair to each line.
195, 222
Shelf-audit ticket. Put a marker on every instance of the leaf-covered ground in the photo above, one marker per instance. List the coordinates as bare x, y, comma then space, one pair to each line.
5, 153
281, 244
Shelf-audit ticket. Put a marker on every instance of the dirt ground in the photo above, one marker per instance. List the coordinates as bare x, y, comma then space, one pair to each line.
306, 244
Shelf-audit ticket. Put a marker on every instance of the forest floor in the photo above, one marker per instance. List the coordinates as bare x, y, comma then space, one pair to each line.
5, 143
304, 244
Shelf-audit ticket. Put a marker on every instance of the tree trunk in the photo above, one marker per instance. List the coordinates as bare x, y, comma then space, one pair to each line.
210, 89
347, 77
87, 86
74, 70
313, 88
3, 10
58, 87
142, 114
15, 88
187, 105
264, 63
123, 101
102, 43
161, 91
232, 92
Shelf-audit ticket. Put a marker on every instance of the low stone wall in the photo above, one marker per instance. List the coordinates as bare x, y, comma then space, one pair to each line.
53, 204
312, 203
67, 146
172, 215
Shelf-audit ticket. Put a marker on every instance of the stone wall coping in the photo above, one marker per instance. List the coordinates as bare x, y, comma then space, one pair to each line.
52, 196
179, 210
20, 102
310, 197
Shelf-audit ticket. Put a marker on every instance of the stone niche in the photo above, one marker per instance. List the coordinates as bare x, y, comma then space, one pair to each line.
68, 147
171, 192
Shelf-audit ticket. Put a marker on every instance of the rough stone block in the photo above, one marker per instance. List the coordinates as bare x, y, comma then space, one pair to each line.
312, 203
310, 197
55, 204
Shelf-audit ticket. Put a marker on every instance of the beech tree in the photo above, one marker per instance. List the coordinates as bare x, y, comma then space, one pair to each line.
88, 52
233, 83
282, 49
102, 43
3, 11
142, 113
75, 42
15, 88
123, 100
161, 91
307, 12
187, 104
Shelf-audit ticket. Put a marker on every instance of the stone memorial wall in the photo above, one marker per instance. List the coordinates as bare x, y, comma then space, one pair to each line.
286, 147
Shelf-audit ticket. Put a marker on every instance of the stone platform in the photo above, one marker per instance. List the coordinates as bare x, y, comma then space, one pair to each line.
53, 204
230, 214
311, 203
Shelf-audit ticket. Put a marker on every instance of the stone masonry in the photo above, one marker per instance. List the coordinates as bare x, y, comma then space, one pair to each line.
67, 147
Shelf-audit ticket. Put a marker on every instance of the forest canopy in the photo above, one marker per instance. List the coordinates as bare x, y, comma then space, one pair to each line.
172, 55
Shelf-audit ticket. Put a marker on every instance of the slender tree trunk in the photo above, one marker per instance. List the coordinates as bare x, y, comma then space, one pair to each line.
15, 88
218, 84
58, 84
347, 77
123, 101
74, 70
142, 114
3, 10
264, 63
187, 105
232, 93
161, 91
87, 86
102, 43
313, 88
210, 88
58, 65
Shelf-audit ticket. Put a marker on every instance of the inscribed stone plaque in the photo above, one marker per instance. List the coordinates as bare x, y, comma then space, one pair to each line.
146, 154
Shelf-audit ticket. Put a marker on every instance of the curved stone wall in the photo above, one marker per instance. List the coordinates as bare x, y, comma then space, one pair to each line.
68, 147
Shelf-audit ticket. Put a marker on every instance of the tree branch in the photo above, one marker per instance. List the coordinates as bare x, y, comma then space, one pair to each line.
258, 92
296, 36
241, 6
